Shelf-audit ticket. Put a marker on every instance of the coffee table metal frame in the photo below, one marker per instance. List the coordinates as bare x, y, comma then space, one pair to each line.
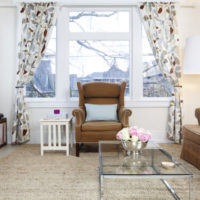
162, 177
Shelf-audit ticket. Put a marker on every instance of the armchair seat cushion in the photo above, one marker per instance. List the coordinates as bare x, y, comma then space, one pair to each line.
101, 126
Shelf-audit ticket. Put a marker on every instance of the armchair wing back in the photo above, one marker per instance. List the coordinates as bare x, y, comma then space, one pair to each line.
99, 93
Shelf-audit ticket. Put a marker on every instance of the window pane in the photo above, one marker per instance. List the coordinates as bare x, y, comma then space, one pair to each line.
51, 48
98, 61
43, 82
154, 83
93, 21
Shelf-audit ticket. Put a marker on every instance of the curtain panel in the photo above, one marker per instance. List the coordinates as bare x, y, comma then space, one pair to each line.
159, 20
37, 21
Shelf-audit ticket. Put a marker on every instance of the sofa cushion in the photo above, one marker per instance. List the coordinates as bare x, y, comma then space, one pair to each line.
192, 132
101, 126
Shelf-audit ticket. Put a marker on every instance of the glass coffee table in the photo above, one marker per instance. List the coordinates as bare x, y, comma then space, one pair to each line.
115, 163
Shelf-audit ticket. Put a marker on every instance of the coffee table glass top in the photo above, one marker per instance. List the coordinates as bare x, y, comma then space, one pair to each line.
115, 161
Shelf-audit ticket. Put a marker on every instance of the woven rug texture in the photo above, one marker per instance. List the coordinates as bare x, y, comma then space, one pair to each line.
25, 175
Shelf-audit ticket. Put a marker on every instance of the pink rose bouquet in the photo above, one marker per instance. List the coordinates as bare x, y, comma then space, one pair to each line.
134, 134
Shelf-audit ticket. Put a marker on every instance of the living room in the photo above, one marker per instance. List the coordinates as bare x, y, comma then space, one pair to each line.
76, 51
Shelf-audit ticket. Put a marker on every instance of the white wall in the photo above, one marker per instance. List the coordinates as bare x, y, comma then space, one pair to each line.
154, 119
189, 25
7, 62
151, 118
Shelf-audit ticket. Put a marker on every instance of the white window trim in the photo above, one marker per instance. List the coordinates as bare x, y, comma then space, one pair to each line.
62, 78
99, 36
62, 98
141, 103
137, 66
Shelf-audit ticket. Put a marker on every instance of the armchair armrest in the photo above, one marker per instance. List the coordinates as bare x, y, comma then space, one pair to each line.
79, 114
197, 114
124, 115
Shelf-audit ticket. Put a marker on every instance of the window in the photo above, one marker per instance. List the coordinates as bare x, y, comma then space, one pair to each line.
99, 21
103, 53
98, 44
43, 82
154, 83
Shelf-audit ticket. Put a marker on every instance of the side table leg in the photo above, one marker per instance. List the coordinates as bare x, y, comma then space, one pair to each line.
71, 133
41, 140
67, 139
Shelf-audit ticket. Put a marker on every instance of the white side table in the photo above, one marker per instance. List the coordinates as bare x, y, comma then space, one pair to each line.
54, 134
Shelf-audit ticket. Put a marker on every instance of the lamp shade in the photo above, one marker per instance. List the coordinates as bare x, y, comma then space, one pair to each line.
192, 56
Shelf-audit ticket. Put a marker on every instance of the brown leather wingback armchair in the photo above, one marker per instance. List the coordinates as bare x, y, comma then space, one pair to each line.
191, 142
99, 93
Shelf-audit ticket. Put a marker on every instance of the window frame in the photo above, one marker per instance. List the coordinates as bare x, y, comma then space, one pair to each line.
62, 97
104, 36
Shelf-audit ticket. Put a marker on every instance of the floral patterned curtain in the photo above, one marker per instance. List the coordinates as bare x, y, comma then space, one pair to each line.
159, 21
37, 22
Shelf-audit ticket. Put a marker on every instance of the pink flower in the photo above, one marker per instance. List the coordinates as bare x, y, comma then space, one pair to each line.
133, 131
149, 136
144, 137
133, 134
119, 135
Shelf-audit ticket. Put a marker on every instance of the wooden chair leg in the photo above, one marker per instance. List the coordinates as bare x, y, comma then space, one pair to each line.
77, 149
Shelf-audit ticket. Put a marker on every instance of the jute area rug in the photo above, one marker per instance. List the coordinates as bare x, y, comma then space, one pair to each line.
25, 175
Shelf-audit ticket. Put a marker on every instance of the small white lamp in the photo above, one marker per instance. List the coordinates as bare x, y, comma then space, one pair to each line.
192, 56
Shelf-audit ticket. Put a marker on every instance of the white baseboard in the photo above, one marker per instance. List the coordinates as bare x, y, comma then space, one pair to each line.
157, 136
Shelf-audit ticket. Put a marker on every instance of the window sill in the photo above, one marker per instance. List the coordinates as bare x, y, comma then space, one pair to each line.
137, 103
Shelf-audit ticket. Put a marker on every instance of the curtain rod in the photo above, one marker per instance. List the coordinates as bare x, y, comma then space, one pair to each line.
69, 2
123, 5
14, 5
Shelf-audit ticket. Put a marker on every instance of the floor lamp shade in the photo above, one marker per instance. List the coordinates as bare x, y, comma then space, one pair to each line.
192, 56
